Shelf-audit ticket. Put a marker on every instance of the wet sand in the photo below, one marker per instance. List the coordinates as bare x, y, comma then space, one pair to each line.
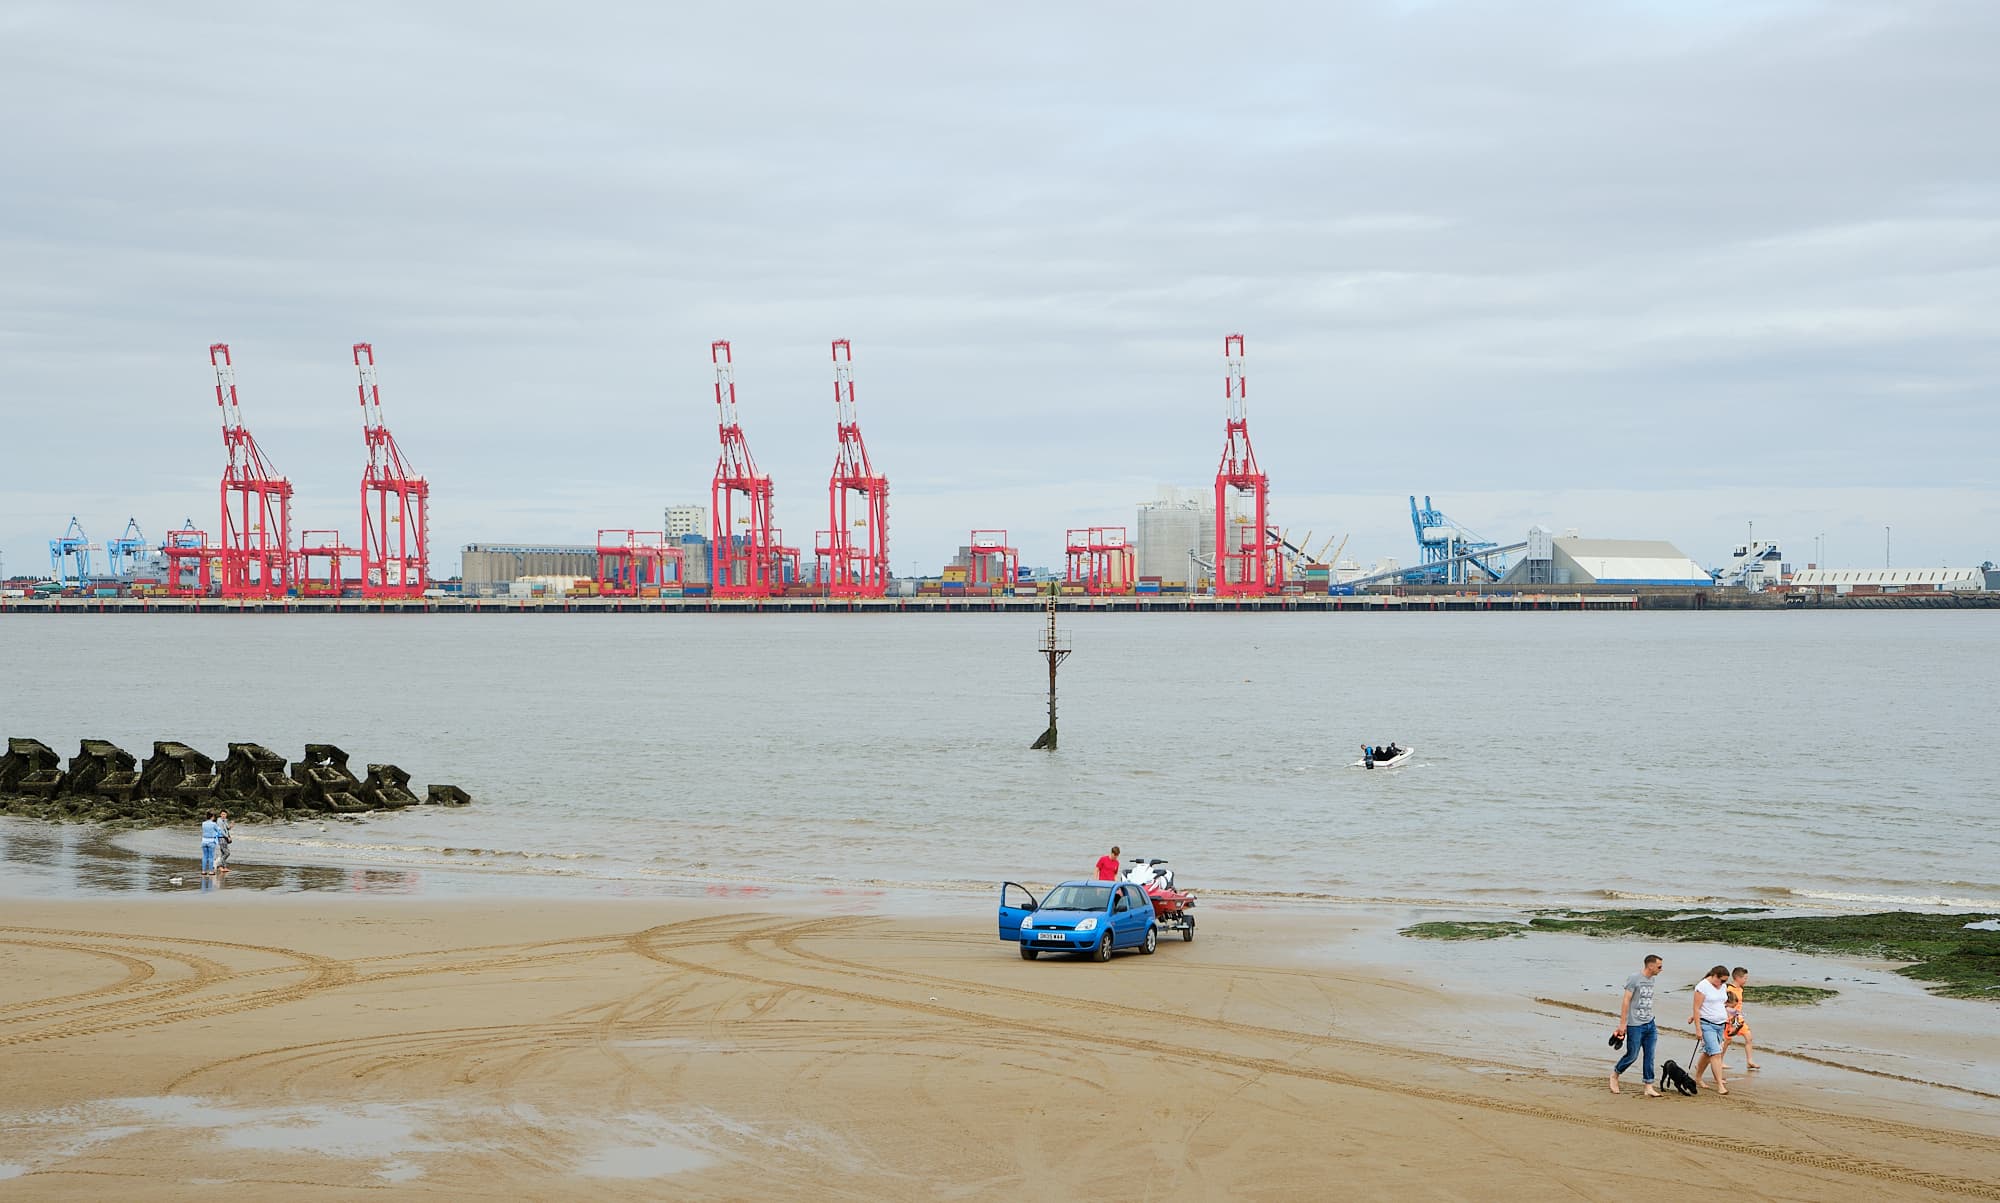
341, 1047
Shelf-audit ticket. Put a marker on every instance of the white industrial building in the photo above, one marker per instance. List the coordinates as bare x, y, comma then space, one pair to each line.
1890, 580
1179, 523
686, 520
1573, 560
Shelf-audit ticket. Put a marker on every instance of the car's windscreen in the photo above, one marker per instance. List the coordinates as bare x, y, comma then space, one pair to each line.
1077, 898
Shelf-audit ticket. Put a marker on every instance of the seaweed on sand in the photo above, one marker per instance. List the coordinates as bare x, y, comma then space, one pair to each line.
1940, 950
1786, 996
1465, 930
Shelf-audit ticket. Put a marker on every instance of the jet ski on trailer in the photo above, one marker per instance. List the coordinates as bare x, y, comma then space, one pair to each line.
1392, 756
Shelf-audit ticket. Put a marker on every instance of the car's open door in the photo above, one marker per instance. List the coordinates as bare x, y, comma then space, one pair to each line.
1016, 903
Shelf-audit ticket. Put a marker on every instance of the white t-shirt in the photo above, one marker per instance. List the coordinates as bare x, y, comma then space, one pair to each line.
1714, 1000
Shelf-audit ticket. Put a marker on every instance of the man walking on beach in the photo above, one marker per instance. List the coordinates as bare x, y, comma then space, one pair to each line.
1107, 865
1635, 1024
1711, 1010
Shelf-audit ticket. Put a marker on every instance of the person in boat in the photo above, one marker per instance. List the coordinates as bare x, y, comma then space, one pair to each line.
1367, 756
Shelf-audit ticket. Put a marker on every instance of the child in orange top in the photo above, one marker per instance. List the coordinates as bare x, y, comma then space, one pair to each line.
1736, 1025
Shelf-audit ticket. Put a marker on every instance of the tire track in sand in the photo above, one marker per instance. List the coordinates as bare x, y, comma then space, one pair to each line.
322, 973
137, 970
447, 1041
1837, 1163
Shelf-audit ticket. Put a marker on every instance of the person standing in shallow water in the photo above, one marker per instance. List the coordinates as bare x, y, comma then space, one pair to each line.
1107, 865
211, 842
1636, 1025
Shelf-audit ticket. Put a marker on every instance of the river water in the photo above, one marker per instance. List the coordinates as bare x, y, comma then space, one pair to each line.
1825, 760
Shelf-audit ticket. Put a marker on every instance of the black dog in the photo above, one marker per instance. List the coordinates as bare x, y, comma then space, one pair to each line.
1678, 1078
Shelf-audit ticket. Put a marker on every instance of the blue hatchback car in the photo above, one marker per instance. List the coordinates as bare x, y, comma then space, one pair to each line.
1097, 917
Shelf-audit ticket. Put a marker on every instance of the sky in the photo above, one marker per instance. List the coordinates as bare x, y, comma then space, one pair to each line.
1639, 269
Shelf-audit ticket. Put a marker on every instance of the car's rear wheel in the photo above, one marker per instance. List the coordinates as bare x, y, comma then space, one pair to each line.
1103, 949
1152, 943
1028, 953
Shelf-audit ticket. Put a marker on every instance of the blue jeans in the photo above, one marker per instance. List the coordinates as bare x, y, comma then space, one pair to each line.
1639, 1036
208, 856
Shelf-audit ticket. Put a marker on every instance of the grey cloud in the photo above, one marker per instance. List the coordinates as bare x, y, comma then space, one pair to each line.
1554, 248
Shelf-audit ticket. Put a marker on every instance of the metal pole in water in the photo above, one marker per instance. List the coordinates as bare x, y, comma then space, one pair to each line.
1056, 653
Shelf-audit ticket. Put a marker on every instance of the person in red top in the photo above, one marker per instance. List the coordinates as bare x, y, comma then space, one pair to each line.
1107, 865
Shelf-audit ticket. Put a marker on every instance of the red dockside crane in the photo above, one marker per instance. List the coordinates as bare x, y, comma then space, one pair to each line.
185, 579
256, 551
395, 502
629, 561
749, 564
992, 561
1100, 559
851, 567
1247, 563
318, 545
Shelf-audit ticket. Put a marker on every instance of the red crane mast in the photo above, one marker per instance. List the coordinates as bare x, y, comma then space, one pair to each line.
850, 567
395, 501
256, 551
746, 565
1246, 558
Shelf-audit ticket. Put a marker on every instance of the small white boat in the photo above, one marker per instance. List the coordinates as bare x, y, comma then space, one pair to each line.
1401, 758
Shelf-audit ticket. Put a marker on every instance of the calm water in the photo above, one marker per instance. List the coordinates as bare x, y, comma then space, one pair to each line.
1834, 759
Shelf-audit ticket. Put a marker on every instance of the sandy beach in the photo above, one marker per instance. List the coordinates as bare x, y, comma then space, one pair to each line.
336, 1048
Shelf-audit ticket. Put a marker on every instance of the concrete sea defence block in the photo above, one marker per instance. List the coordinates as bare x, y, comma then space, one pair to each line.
177, 783
25, 757
388, 787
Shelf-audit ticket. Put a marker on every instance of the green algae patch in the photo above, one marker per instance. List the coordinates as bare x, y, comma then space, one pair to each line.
1470, 930
1786, 996
1941, 951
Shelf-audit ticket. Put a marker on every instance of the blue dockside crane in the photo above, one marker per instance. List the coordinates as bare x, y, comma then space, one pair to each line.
1448, 551
122, 555
69, 556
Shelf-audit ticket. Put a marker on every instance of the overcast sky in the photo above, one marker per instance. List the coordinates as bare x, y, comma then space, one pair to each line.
1648, 270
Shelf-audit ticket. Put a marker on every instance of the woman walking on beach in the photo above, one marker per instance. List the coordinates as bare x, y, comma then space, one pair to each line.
211, 842
222, 842
1711, 1011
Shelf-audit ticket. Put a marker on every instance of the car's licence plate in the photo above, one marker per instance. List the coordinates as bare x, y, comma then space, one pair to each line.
1050, 935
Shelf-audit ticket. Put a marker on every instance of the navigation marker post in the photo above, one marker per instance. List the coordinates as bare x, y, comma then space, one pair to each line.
1055, 649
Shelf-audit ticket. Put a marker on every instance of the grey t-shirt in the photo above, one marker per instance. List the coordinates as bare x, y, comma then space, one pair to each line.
1641, 987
